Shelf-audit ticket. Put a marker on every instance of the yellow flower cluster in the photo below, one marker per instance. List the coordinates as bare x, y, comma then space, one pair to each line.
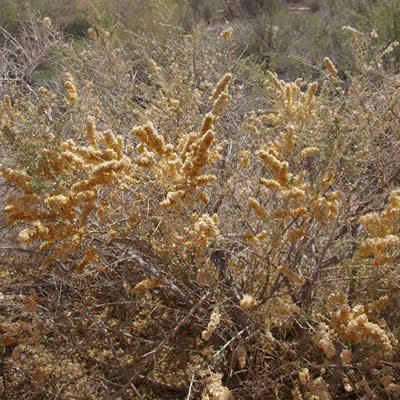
290, 107
214, 389
330, 67
196, 237
258, 209
206, 227
244, 159
19, 178
47, 22
221, 87
248, 302
327, 181
326, 207
323, 339
291, 189
383, 242
215, 319
182, 165
354, 325
346, 356
310, 151
69, 86
318, 387
34, 232
350, 29
92, 34
60, 218
227, 33
279, 168
390, 48
149, 136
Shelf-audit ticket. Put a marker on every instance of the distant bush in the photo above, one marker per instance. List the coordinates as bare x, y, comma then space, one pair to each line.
255, 7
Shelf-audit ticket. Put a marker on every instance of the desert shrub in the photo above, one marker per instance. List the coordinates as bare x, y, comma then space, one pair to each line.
191, 226
382, 16
292, 44
71, 15
29, 54
254, 7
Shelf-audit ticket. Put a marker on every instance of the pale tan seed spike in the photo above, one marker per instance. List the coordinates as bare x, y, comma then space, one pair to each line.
222, 84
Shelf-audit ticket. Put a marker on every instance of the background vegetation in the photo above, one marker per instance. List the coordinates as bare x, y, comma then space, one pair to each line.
200, 200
